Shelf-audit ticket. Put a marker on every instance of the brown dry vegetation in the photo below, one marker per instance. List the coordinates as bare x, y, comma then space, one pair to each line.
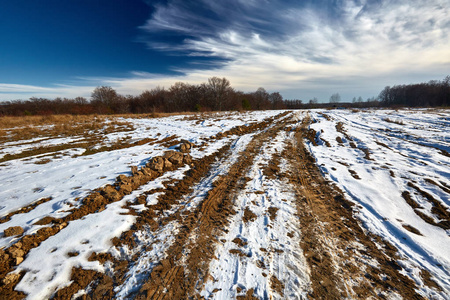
28, 127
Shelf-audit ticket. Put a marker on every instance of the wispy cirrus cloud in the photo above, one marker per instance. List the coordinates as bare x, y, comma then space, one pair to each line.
23, 91
301, 48
323, 44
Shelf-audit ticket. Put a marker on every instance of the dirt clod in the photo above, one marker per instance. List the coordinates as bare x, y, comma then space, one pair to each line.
126, 189
239, 242
15, 230
11, 278
156, 164
249, 216
185, 146
110, 193
167, 164
174, 157
134, 170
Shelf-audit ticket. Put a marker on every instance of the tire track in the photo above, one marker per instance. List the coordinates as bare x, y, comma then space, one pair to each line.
345, 262
173, 197
185, 269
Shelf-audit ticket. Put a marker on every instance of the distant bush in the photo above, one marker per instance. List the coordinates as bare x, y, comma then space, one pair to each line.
246, 104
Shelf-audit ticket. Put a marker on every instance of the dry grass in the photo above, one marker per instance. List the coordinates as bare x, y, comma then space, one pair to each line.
11, 122
89, 131
13, 129
28, 127
398, 122
156, 115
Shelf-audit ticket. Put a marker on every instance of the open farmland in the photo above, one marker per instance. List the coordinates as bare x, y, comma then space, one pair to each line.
320, 204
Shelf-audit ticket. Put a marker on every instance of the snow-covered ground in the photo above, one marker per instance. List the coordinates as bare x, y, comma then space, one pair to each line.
374, 156
256, 253
69, 179
404, 147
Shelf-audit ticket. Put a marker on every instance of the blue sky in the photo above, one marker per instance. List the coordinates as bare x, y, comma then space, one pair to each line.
304, 49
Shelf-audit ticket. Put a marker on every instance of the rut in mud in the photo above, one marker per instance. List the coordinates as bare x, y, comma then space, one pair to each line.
344, 261
333, 243
255, 219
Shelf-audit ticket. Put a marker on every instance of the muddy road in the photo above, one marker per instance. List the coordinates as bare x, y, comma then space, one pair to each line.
255, 219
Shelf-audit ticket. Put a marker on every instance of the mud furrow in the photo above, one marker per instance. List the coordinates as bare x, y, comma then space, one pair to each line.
193, 249
335, 246
95, 202
172, 196
24, 210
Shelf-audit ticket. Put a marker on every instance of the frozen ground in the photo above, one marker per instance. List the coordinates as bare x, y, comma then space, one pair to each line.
404, 149
393, 165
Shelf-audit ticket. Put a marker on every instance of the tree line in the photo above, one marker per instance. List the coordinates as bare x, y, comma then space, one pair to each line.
214, 95
218, 95
432, 93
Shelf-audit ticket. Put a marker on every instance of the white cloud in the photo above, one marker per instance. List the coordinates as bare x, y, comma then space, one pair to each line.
302, 51
23, 92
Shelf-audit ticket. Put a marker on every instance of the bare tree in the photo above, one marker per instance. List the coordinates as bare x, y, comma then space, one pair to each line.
313, 100
218, 89
335, 98
105, 95
261, 98
277, 100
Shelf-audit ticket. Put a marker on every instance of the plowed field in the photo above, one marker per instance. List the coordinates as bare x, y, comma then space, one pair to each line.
262, 205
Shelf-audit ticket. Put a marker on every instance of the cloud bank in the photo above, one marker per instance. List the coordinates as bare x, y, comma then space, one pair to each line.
302, 49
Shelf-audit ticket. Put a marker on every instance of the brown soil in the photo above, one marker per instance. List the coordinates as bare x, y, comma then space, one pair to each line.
239, 242
23, 210
248, 296
442, 187
238, 252
354, 174
272, 169
277, 285
249, 216
272, 212
329, 230
327, 143
438, 209
411, 229
407, 196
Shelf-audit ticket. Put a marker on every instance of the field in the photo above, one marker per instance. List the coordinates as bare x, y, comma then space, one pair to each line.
318, 204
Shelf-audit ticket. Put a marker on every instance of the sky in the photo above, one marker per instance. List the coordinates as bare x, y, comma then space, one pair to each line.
302, 49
